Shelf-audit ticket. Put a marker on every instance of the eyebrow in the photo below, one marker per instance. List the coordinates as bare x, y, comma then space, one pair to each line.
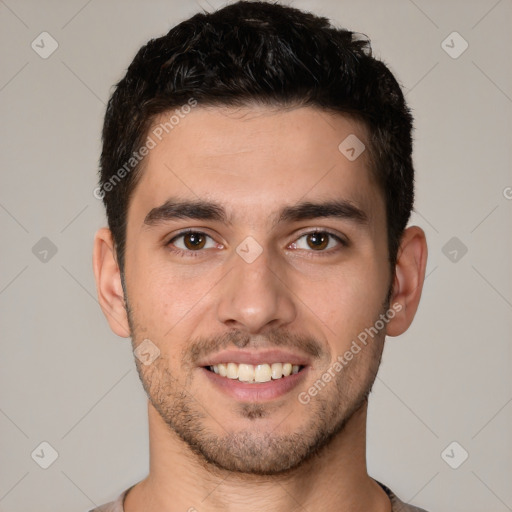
174, 209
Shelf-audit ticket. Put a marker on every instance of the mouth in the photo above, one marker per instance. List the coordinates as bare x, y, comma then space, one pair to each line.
255, 374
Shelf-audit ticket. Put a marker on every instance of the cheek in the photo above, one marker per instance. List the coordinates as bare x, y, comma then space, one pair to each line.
346, 300
162, 296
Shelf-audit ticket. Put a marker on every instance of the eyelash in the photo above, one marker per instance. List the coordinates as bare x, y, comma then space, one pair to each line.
195, 254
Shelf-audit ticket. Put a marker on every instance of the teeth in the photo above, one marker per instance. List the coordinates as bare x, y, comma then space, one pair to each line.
232, 371
262, 373
245, 372
259, 373
277, 370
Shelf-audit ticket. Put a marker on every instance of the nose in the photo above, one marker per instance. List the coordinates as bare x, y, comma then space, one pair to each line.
255, 296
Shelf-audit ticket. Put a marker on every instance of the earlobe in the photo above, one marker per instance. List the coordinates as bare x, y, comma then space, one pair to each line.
408, 280
108, 283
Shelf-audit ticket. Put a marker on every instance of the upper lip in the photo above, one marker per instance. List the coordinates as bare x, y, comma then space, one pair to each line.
255, 358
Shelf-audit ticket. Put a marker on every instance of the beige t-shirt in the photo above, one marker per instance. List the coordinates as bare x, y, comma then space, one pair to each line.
396, 504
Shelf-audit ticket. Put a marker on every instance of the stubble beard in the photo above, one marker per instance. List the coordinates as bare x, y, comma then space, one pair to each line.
257, 451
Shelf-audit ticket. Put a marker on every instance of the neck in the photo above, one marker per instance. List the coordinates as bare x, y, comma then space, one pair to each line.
335, 480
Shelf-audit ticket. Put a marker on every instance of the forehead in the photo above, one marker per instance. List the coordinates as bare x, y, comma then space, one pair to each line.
253, 160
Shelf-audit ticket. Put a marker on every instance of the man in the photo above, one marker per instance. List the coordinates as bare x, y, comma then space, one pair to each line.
257, 176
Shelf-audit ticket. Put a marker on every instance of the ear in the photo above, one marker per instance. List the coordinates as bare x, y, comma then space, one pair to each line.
408, 280
108, 283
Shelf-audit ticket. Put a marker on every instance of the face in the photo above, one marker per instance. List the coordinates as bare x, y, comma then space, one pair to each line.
254, 245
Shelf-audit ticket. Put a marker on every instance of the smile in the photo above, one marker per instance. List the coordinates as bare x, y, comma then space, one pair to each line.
255, 373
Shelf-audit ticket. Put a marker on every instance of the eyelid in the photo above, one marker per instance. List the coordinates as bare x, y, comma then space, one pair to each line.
341, 239
310, 231
186, 231
187, 252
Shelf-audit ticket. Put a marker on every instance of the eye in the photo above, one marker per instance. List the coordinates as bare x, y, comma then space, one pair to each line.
192, 241
318, 241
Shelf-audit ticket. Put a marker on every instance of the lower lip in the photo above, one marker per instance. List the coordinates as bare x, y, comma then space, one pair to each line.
259, 391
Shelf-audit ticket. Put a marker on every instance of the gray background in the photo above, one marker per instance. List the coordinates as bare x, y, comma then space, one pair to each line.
67, 380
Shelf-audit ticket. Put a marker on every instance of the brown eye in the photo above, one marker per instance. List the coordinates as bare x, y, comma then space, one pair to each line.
194, 244
318, 241
190, 242
194, 241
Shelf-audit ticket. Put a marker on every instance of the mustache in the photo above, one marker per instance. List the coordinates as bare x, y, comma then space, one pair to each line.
204, 346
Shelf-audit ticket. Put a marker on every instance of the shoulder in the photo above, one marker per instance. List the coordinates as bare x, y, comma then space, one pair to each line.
113, 506
396, 503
